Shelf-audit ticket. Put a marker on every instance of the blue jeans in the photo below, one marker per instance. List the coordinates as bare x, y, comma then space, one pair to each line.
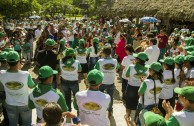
110, 90
162, 53
13, 113
68, 87
92, 62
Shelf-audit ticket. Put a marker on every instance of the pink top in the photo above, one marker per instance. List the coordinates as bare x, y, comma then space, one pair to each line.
120, 49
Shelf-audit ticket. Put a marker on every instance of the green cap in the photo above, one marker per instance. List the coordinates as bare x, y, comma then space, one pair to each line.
142, 56
81, 41
8, 49
156, 66
189, 48
167, 60
179, 59
152, 119
177, 35
50, 42
46, 71
95, 40
109, 37
62, 41
3, 55
187, 92
95, 77
2, 34
189, 58
69, 52
191, 53
13, 56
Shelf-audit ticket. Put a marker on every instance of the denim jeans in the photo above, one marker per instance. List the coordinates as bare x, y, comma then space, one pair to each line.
13, 113
110, 90
162, 53
68, 87
92, 62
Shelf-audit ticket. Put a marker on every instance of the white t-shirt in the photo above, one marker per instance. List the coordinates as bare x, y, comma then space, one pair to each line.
127, 60
16, 87
153, 53
108, 66
38, 33
92, 107
168, 87
133, 80
69, 73
81, 57
40, 101
184, 118
149, 93
92, 52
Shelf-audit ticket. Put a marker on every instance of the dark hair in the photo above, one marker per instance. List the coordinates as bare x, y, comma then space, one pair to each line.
150, 35
75, 34
159, 75
3, 61
192, 63
95, 47
141, 61
153, 40
107, 50
52, 113
68, 57
42, 80
12, 64
129, 48
171, 67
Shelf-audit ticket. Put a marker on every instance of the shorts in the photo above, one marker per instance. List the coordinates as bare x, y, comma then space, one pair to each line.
132, 97
84, 68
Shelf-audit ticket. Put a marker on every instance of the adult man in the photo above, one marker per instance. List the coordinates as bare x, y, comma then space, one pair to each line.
163, 41
16, 84
92, 104
44, 93
38, 32
153, 51
186, 116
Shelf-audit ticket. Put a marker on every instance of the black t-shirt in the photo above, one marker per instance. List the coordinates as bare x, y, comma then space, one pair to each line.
47, 57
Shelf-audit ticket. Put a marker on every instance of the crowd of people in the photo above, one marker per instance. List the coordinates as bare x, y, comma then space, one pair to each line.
156, 72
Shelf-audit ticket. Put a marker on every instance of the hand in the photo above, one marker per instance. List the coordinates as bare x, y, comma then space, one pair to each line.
167, 107
68, 115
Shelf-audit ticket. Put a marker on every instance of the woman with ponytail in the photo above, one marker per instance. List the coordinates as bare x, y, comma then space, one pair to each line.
167, 92
135, 73
180, 76
148, 98
94, 52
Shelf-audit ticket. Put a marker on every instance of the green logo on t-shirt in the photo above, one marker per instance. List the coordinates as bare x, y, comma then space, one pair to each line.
68, 68
41, 102
168, 81
14, 85
139, 75
92, 106
158, 90
109, 66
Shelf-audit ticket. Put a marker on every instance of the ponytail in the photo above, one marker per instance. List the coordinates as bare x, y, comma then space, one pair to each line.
95, 48
171, 67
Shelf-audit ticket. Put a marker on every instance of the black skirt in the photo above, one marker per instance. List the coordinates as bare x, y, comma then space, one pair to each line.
84, 68
132, 97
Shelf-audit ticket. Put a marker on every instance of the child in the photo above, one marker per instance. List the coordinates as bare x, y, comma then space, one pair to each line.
150, 89
135, 73
27, 51
68, 75
108, 66
169, 82
81, 55
127, 60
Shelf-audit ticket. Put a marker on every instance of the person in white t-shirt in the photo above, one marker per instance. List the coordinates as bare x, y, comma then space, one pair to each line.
108, 66
153, 51
38, 32
127, 60
16, 84
92, 104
